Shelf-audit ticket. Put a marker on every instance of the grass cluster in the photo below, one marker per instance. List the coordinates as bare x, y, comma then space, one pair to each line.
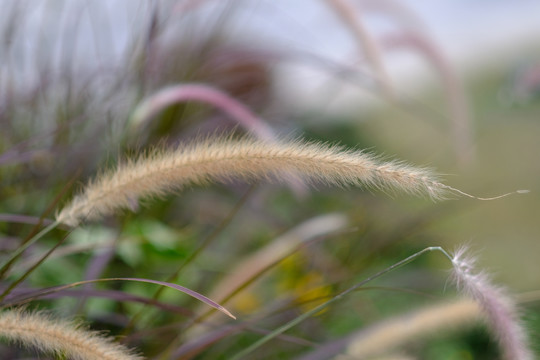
153, 202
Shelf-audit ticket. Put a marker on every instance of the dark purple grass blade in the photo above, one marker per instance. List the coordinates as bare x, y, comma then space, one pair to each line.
21, 295
185, 290
190, 292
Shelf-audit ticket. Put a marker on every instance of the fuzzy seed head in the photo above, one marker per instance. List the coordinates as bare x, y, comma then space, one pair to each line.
39, 331
224, 158
499, 308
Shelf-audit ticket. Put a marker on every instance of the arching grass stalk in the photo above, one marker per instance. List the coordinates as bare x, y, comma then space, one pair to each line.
192, 293
338, 297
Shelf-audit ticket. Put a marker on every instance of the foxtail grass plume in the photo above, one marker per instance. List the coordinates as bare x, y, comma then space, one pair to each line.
224, 158
50, 336
499, 308
389, 335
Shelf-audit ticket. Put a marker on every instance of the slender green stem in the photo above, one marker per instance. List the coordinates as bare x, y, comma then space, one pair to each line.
315, 310
7, 264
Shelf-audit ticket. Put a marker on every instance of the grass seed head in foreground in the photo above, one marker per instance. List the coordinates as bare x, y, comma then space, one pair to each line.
223, 158
57, 337
500, 310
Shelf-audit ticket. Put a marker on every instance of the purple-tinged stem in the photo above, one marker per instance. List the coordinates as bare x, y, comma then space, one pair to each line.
201, 93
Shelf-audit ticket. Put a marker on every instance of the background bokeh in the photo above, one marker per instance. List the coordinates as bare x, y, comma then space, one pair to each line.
451, 85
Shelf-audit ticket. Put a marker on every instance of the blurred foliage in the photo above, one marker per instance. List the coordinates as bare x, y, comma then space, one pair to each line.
73, 125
